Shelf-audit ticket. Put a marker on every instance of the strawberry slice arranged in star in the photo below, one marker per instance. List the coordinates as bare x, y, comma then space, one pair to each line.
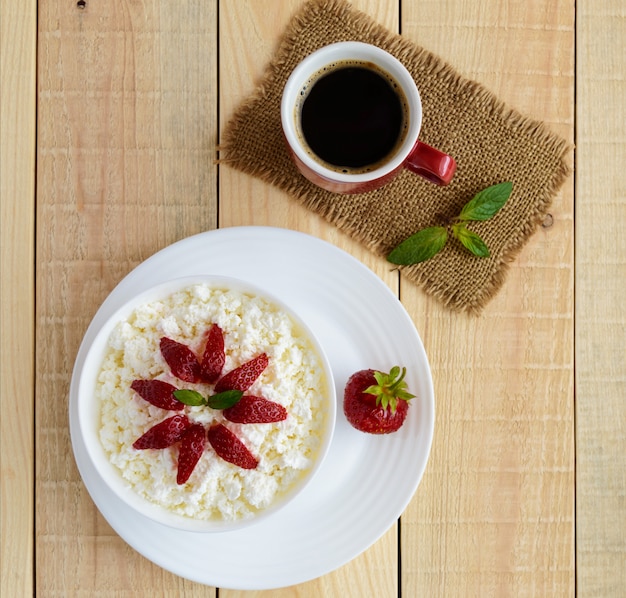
158, 393
181, 359
230, 448
164, 434
214, 357
255, 410
191, 448
243, 377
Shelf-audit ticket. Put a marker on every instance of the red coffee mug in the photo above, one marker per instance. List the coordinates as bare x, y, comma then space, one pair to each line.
410, 153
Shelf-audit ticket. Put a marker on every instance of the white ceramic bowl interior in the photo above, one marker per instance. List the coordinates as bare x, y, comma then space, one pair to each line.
89, 412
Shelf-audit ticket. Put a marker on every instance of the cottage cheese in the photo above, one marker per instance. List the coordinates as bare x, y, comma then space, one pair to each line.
216, 490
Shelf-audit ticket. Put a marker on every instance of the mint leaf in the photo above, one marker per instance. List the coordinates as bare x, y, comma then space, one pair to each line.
224, 400
487, 202
427, 242
470, 240
189, 397
419, 247
221, 400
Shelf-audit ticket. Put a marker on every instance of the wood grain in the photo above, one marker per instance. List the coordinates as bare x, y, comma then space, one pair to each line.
494, 514
600, 292
18, 35
246, 200
125, 164
110, 119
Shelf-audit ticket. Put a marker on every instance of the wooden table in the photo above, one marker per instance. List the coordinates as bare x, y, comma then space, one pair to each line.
111, 114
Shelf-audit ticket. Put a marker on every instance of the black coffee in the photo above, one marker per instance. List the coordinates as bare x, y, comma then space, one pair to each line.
353, 117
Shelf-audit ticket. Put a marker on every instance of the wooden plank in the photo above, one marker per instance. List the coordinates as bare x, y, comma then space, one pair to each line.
600, 291
18, 35
495, 513
245, 200
248, 201
127, 128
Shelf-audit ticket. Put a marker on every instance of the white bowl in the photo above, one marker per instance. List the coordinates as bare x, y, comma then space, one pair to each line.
89, 411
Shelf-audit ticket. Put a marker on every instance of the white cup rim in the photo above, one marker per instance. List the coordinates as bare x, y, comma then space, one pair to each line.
345, 51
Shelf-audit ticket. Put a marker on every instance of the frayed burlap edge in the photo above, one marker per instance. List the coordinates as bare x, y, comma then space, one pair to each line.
405, 51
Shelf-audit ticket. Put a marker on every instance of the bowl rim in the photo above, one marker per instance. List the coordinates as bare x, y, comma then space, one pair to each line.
88, 411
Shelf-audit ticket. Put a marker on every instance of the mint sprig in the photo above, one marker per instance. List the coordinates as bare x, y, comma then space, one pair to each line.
221, 400
428, 242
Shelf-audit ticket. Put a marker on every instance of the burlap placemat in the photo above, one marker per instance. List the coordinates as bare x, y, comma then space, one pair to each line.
490, 142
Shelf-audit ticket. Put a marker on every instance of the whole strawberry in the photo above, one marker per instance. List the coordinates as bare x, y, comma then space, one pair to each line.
375, 402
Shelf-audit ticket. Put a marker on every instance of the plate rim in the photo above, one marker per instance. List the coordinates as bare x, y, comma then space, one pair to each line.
108, 307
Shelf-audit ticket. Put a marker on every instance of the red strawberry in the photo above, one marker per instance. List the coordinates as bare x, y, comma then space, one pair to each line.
255, 410
375, 402
158, 393
214, 357
181, 359
191, 448
243, 377
230, 448
164, 434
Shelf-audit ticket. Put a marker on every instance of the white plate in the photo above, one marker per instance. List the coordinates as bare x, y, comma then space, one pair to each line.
366, 481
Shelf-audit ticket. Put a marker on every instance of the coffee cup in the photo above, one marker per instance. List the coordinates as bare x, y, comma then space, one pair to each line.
351, 116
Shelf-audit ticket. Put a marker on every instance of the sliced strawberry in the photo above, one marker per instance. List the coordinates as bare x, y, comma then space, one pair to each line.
255, 410
164, 434
230, 448
214, 356
243, 377
158, 393
181, 359
191, 448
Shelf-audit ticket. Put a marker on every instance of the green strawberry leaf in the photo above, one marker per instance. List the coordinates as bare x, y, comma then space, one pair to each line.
419, 247
189, 397
224, 400
396, 374
389, 388
470, 240
487, 202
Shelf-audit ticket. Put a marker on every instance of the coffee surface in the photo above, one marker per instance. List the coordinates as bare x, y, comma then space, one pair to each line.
353, 118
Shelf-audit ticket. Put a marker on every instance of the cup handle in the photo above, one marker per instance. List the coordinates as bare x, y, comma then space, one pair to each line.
430, 163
